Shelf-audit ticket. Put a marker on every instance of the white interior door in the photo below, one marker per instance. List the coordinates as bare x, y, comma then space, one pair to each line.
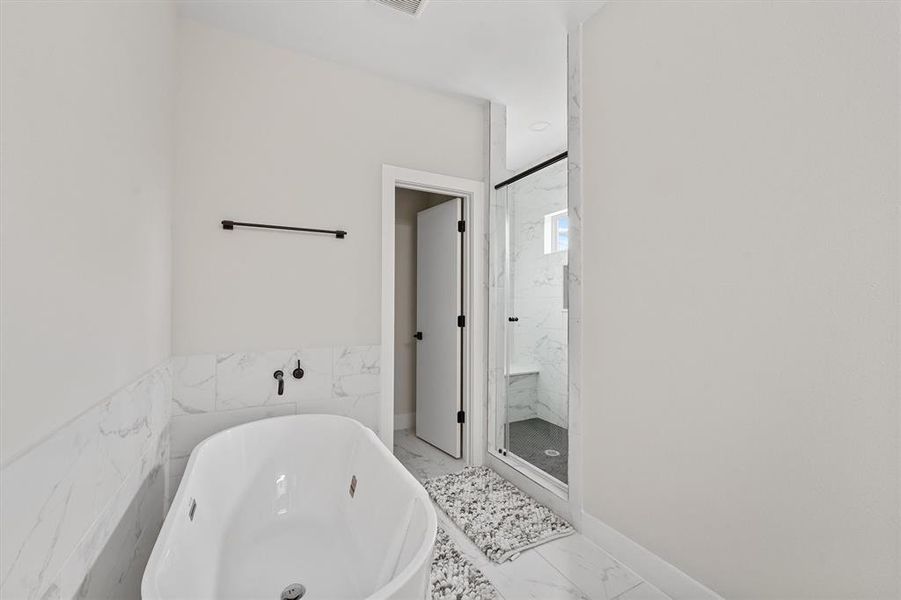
438, 304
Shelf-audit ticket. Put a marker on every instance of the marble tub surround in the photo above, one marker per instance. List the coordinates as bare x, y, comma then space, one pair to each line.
193, 384
190, 430
215, 382
356, 371
212, 392
64, 500
245, 379
118, 565
204, 383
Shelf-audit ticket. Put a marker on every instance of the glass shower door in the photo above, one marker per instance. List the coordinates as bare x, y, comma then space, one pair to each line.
534, 318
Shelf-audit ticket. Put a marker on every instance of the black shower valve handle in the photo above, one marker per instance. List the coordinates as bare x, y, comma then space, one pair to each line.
298, 372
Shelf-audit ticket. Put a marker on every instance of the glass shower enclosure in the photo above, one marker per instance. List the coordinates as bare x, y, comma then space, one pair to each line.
528, 316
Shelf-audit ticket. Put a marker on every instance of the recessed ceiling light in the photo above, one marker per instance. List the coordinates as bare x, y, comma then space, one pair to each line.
539, 125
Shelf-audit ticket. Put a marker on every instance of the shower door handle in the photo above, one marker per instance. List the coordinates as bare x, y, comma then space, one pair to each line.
513, 319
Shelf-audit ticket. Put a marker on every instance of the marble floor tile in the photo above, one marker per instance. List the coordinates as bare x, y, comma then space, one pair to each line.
643, 591
421, 458
589, 567
571, 568
531, 577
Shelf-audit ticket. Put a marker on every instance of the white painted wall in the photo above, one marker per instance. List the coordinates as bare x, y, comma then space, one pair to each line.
741, 285
85, 207
270, 135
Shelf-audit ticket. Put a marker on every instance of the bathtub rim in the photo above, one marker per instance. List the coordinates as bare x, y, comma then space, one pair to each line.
422, 556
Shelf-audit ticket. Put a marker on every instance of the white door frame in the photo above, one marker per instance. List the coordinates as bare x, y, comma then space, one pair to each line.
475, 301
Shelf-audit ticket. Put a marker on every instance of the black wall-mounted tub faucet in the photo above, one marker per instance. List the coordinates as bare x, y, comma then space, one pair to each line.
280, 377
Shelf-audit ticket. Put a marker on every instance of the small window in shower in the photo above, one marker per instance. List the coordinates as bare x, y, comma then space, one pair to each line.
556, 232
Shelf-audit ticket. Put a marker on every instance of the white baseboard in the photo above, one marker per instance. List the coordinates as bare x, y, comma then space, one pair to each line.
647, 565
404, 421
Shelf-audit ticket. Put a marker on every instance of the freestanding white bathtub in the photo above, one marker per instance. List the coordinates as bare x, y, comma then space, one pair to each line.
315, 500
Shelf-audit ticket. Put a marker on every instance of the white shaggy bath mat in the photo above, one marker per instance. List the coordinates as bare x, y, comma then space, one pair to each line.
454, 577
493, 513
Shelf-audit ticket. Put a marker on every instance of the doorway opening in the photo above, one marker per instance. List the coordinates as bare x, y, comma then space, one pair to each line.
433, 314
428, 334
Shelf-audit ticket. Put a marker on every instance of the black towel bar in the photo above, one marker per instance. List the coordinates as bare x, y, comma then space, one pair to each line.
335, 232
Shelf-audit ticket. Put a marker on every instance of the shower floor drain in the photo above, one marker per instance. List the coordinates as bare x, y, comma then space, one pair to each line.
551, 452
295, 591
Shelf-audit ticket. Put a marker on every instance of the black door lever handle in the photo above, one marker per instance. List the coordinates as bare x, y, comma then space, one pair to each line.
418, 335
513, 319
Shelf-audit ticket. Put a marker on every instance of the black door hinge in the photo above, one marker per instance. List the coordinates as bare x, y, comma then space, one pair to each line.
461, 416
461, 226
461, 321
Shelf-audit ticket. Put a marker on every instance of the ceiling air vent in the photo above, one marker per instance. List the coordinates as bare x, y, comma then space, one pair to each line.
410, 7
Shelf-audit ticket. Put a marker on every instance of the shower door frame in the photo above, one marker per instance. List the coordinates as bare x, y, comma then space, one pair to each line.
475, 300
497, 449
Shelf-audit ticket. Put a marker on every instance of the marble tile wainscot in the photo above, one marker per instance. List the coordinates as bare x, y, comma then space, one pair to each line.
82, 509
212, 392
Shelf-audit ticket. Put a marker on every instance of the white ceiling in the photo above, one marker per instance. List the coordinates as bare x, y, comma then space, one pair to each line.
507, 51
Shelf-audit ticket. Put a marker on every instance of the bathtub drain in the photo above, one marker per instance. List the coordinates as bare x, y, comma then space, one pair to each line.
295, 591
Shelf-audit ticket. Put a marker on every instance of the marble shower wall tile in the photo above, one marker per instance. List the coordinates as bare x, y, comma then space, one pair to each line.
522, 396
574, 284
54, 498
539, 338
497, 143
531, 286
